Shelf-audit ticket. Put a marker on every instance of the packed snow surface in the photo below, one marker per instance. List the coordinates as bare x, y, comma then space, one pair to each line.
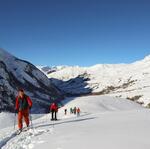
105, 122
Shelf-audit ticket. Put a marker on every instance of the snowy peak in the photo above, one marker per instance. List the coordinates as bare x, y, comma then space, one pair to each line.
121, 80
147, 58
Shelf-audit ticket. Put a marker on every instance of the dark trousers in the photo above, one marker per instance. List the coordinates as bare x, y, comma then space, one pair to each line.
54, 115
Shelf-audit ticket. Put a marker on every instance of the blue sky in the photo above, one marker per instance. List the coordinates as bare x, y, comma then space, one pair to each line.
75, 32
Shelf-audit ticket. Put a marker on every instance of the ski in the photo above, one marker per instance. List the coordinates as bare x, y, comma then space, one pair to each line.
25, 129
18, 132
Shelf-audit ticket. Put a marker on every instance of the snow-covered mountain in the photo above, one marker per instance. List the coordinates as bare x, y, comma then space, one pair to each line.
16, 73
130, 81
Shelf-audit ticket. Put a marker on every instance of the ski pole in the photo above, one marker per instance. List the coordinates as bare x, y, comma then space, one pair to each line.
31, 123
47, 117
31, 119
15, 121
52, 119
53, 124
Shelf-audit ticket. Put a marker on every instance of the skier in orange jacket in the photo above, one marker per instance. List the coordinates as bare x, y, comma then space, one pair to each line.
78, 111
23, 105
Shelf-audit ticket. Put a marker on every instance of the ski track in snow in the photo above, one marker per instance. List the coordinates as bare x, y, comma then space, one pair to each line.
27, 139
24, 140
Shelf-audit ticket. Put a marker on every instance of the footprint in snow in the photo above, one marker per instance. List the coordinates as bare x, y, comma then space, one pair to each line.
23, 141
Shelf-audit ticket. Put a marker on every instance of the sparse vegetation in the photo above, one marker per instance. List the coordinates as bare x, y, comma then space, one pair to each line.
140, 102
148, 106
135, 98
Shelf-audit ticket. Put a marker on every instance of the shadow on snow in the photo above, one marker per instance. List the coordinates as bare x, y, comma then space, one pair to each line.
65, 122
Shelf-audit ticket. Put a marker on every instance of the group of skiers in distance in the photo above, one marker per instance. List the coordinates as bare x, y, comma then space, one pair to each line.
75, 111
23, 106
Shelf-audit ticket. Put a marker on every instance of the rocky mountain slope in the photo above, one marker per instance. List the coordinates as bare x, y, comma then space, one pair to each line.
16, 73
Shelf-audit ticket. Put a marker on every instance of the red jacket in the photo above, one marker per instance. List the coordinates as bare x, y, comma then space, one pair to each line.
24, 103
54, 107
78, 110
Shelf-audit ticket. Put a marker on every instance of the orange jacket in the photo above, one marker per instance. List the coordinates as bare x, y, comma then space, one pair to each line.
78, 110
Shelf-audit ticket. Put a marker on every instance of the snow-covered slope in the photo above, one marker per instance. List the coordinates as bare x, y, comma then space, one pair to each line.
123, 80
99, 104
16, 73
105, 122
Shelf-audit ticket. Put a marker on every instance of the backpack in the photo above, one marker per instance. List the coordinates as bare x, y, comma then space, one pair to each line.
23, 103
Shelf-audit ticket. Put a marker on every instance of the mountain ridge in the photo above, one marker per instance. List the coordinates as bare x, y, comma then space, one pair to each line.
129, 81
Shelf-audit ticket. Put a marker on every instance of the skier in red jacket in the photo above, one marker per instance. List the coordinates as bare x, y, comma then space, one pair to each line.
23, 105
78, 111
54, 110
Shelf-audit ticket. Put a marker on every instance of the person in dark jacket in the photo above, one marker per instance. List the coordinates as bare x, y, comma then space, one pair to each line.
71, 110
54, 110
23, 105
75, 110
65, 111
